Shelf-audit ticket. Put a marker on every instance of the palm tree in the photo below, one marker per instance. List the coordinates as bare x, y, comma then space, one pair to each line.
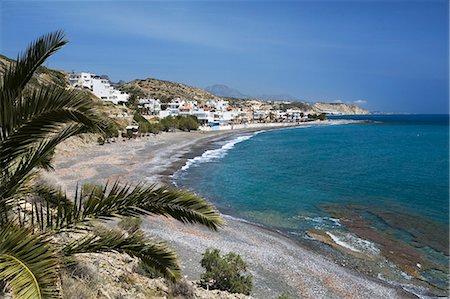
33, 121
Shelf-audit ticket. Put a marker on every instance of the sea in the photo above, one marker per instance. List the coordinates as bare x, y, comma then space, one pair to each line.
376, 190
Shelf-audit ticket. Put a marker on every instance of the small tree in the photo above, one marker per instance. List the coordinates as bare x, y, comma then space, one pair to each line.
226, 273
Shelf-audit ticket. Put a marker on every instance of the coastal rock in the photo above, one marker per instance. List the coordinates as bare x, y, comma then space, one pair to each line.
112, 275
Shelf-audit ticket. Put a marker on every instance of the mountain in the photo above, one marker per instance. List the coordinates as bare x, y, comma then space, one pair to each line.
225, 91
277, 97
166, 90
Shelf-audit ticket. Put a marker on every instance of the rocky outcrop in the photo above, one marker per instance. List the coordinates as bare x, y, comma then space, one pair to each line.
112, 275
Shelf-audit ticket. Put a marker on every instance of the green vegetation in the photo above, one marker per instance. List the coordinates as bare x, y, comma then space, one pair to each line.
167, 124
321, 116
33, 121
226, 273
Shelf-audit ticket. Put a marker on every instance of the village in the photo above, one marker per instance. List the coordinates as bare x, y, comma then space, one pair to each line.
212, 114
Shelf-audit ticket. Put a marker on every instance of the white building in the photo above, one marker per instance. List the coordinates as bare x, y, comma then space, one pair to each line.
151, 106
100, 87
218, 105
296, 115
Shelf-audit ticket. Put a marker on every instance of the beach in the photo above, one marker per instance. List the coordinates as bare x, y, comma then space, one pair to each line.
278, 264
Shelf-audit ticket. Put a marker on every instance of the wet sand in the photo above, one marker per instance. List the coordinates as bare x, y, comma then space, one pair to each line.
278, 264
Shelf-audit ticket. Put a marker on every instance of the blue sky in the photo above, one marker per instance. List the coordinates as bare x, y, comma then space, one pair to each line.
389, 56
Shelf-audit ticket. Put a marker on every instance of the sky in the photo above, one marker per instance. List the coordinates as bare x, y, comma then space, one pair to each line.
384, 55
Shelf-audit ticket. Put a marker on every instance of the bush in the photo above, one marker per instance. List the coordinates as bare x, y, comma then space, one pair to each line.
168, 123
130, 224
321, 116
225, 273
100, 140
188, 123
182, 289
154, 128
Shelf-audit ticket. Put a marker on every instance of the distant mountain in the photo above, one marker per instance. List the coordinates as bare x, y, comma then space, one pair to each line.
221, 90
277, 97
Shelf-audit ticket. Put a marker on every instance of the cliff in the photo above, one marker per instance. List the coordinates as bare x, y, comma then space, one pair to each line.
337, 108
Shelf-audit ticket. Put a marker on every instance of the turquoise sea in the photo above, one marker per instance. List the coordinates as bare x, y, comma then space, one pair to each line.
380, 188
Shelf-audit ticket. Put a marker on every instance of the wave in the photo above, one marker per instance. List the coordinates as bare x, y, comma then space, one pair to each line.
216, 154
354, 243
323, 221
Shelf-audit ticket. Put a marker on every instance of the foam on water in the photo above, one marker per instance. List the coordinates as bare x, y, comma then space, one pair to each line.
354, 243
323, 221
215, 154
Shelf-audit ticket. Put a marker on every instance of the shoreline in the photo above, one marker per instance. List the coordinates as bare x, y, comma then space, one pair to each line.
278, 262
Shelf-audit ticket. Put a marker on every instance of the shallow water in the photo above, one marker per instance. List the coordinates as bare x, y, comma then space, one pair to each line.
384, 182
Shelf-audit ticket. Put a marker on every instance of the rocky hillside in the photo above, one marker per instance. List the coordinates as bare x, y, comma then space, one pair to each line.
166, 90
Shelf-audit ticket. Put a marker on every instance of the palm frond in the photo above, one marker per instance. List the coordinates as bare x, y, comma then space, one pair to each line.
45, 113
18, 74
104, 203
13, 178
181, 205
28, 263
155, 254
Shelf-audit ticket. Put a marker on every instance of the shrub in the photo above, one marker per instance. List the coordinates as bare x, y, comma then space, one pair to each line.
100, 140
154, 128
130, 224
188, 123
182, 289
169, 123
225, 273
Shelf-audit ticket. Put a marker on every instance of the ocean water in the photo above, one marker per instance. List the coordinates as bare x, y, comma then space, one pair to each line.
378, 188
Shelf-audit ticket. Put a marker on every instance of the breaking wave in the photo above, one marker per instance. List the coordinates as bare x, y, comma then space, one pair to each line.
216, 154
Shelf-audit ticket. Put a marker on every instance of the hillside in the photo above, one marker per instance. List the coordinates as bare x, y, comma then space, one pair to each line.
166, 90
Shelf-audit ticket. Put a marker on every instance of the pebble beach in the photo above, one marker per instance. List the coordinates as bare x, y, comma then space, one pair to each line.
278, 264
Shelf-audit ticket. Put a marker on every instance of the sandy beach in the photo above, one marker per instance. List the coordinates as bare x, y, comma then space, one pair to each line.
278, 264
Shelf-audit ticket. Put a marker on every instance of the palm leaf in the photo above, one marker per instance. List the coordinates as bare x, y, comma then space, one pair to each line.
28, 263
18, 74
13, 178
43, 114
105, 203
155, 254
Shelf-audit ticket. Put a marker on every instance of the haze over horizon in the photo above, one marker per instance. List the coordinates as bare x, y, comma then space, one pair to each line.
389, 56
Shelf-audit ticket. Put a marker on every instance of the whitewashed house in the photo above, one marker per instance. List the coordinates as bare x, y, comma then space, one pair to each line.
151, 106
100, 87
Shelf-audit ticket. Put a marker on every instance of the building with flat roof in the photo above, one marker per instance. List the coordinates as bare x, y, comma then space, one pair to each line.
100, 87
